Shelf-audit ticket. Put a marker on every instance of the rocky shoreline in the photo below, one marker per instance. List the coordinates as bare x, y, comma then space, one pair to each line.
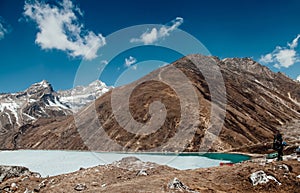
132, 175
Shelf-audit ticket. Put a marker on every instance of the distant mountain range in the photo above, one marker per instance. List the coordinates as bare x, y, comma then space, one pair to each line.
41, 101
258, 102
80, 96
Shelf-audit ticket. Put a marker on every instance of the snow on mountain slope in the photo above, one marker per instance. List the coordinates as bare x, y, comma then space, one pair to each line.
80, 96
41, 101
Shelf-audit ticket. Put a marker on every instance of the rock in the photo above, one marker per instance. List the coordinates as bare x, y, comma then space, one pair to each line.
176, 184
13, 186
43, 183
25, 178
283, 167
80, 187
28, 191
37, 175
6, 189
7, 172
53, 181
94, 184
298, 150
290, 157
260, 177
133, 163
142, 173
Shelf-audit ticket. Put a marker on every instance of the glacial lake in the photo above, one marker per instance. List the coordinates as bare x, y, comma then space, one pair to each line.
55, 162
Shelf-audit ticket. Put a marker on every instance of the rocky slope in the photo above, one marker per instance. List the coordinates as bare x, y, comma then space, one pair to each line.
39, 100
17, 110
132, 117
136, 176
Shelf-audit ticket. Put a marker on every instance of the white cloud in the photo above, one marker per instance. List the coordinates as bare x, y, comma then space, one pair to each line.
277, 65
294, 43
298, 78
153, 35
282, 56
59, 28
268, 58
3, 29
285, 57
129, 61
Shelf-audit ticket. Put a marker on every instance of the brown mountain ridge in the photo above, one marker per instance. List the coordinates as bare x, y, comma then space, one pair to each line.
132, 117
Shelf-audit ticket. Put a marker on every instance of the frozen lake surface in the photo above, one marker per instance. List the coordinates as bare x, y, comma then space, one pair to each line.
54, 162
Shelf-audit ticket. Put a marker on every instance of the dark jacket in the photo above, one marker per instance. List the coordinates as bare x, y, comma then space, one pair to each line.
277, 143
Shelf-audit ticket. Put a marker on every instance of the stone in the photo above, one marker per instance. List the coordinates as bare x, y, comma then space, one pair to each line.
28, 191
13, 186
176, 184
43, 183
80, 187
142, 173
7, 172
94, 184
53, 181
260, 177
284, 167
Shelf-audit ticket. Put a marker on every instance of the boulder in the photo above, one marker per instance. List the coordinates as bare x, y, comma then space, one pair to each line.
7, 172
260, 177
13, 187
176, 184
142, 173
80, 187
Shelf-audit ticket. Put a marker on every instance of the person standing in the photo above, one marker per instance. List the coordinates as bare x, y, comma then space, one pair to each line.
278, 145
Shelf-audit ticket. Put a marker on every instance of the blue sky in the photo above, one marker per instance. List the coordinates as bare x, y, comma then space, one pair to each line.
52, 39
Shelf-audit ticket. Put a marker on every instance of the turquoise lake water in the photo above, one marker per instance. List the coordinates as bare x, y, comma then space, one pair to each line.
59, 162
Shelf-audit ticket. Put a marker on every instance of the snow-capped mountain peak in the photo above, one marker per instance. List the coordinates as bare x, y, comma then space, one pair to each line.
40, 100
43, 86
80, 96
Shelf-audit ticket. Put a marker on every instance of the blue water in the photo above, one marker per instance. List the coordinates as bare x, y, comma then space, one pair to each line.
227, 157
58, 162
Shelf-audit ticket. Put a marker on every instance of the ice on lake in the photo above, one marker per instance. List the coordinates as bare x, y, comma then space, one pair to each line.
55, 162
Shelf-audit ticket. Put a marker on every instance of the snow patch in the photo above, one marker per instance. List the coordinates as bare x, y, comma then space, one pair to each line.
32, 100
12, 107
30, 117
8, 116
56, 103
81, 96
59, 104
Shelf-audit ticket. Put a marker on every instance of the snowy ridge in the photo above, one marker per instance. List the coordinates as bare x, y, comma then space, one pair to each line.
80, 96
40, 100
19, 108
